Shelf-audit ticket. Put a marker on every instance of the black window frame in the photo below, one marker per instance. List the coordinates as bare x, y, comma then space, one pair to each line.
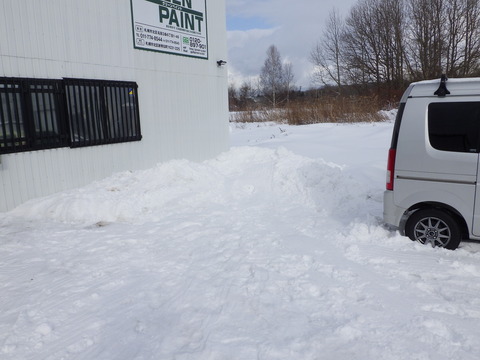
38, 114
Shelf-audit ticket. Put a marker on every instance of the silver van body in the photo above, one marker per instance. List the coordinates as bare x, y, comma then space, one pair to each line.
434, 161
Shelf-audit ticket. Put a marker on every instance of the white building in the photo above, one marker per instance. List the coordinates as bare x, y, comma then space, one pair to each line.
92, 87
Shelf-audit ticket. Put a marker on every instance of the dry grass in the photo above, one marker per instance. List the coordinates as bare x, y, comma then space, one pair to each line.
259, 115
322, 110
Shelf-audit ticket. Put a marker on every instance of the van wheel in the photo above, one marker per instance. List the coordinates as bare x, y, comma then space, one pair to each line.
435, 227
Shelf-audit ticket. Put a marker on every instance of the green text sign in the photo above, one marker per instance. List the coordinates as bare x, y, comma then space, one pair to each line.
171, 26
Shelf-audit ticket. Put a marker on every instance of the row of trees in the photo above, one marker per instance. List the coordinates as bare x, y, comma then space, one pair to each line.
386, 43
379, 47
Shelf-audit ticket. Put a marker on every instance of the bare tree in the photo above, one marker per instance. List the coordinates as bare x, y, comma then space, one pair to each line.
463, 38
456, 22
385, 43
246, 95
326, 56
373, 42
428, 34
362, 44
275, 78
232, 97
288, 77
445, 38
392, 28
471, 50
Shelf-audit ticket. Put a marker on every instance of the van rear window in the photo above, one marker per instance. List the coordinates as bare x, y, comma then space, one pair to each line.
396, 128
454, 126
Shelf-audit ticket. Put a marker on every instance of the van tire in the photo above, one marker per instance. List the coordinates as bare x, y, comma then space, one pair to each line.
435, 227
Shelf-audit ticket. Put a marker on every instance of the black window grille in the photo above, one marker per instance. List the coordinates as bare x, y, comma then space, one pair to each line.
12, 126
29, 115
43, 113
102, 112
45, 107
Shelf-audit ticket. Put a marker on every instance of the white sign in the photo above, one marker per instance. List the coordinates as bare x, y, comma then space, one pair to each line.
171, 26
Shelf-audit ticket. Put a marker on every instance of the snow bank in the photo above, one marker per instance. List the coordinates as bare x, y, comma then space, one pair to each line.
242, 177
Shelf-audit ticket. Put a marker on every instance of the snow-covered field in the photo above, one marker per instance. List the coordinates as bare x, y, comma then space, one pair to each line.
273, 250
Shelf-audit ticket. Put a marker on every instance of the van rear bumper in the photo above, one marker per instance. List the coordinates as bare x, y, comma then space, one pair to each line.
392, 214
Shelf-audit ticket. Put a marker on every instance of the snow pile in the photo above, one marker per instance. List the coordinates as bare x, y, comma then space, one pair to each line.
270, 252
240, 178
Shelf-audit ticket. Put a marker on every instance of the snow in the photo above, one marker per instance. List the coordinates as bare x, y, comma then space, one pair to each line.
273, 250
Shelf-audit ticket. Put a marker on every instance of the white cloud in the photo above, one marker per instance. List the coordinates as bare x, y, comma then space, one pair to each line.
296, 26
247, 52
240, 39
237, 78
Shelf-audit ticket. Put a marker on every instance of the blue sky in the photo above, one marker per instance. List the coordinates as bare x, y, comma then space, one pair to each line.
294, 26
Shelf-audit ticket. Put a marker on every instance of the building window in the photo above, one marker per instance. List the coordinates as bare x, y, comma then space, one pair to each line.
44, 106
42, 114
454, 126
102, 112
12, 125
29, 115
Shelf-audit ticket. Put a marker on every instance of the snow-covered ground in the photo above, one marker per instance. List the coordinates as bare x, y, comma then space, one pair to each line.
273, 250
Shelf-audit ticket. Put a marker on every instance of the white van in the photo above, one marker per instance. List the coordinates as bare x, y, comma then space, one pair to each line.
433, 163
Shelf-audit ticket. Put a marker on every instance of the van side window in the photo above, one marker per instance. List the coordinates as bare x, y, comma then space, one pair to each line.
454, 126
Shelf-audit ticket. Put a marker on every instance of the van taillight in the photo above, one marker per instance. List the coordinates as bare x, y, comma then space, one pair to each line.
391, 168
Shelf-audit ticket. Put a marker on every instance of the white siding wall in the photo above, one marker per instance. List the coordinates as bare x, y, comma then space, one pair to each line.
183, 101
